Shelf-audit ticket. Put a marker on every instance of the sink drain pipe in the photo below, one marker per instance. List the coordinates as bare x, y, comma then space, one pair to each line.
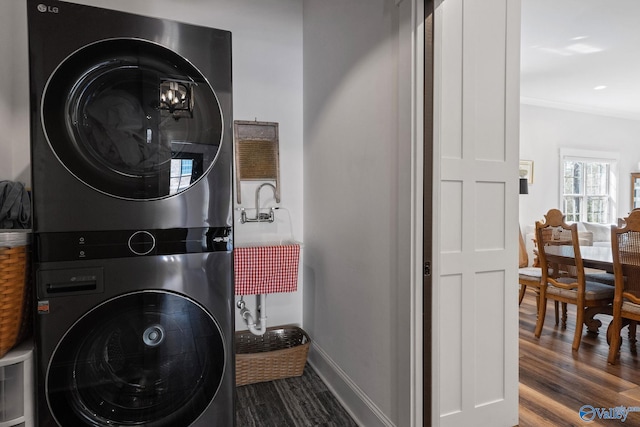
261, 312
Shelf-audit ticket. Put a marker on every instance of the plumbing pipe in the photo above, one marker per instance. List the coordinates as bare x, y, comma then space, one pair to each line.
245, 313
261, 217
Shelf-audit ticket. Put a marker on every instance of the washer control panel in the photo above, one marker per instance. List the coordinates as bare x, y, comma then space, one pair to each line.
79, 245
142, 242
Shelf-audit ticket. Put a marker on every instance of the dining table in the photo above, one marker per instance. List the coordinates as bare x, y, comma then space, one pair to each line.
596, 257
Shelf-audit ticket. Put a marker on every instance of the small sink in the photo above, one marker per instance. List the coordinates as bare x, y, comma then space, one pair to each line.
266, 267
268, 243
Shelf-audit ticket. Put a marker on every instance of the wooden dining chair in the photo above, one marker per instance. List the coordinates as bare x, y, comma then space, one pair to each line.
566, 285
528, 277
625, 249
605, 276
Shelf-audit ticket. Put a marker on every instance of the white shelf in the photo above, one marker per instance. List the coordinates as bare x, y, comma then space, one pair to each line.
16, 387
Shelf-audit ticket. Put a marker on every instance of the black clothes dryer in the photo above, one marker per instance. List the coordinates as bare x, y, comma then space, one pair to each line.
136, 342
131, 118
131, 153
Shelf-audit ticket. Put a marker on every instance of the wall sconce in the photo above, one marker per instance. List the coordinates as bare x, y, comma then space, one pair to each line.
524, 186
176, 97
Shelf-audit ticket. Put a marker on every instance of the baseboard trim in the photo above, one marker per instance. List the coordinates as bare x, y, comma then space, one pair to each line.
355, 401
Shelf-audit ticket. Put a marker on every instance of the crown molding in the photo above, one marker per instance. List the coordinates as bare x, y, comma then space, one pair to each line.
628, 115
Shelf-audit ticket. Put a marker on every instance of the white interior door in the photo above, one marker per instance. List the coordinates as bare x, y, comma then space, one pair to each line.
476, 115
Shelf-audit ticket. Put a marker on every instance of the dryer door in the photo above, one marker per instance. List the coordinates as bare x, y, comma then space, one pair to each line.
148, 358
132, 119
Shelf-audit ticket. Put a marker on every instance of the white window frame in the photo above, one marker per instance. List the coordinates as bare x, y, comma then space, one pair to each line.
611, 157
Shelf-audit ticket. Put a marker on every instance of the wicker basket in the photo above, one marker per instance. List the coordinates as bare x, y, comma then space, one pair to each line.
280, 353
13, 279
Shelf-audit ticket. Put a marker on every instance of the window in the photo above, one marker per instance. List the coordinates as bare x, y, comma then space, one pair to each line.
588, 186
181, 171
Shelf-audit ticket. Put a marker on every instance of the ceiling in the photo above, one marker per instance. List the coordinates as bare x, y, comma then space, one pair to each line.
582, 55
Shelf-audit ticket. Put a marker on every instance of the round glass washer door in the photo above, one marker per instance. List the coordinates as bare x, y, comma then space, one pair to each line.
132, 119
148, 358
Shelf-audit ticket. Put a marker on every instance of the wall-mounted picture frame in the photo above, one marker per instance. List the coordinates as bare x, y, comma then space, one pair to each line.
526, 170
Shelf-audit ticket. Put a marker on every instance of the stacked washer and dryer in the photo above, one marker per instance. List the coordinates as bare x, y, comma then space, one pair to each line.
132, 189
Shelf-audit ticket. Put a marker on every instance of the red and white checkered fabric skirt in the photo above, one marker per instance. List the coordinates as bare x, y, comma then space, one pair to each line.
266, 269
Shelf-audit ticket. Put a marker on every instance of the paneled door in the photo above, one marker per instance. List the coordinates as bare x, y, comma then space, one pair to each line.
474, 318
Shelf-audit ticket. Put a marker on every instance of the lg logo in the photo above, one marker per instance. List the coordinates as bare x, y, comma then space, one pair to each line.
45, 8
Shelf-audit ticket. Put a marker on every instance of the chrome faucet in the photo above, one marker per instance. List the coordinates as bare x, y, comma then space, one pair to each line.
260, 217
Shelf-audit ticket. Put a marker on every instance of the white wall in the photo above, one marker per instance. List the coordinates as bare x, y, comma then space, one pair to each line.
267, 85
357, 192
6, 96
544, 131
14, 98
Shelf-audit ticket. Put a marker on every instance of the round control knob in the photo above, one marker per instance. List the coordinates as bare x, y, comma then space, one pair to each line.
142, 242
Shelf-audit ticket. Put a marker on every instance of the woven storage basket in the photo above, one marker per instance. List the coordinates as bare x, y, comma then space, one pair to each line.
13, 278
280, 353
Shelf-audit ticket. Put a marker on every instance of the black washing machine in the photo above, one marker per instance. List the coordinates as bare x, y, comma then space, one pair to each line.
136, 342
131, 119
131, 150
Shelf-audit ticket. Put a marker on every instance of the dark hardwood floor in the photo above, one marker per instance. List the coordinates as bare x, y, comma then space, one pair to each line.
556, 382
303, 401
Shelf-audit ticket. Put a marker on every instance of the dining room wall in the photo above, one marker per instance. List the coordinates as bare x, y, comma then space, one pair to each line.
544, 131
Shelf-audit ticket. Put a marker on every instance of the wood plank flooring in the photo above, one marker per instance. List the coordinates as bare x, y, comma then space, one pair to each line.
291, 402
556, 382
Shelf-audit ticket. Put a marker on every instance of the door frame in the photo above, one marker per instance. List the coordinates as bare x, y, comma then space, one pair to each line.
427, 209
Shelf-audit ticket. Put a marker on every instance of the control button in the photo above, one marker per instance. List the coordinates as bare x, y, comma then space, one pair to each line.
142, 242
